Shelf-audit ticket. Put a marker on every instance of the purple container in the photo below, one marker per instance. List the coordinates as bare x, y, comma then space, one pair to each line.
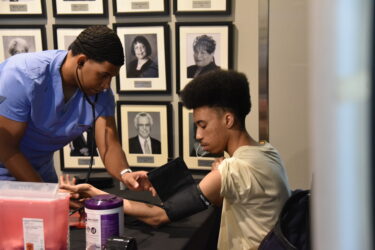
104, 218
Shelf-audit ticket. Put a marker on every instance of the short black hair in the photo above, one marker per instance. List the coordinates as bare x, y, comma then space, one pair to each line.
226, 89
144, 41
100, 44
205, 42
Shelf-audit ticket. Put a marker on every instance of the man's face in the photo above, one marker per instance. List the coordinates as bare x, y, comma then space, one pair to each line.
202, 57
211, 129
95, 77
144, 127
140, 50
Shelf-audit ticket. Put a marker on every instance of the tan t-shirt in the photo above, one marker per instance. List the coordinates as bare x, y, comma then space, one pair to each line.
255, 187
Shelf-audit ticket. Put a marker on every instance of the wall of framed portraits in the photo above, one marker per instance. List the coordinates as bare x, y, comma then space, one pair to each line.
169, 29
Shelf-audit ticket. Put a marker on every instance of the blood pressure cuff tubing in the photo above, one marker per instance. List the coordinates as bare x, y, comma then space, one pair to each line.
187, 201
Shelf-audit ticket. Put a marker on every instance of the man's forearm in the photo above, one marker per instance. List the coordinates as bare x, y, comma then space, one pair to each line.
21, 169
115, 161
148, 213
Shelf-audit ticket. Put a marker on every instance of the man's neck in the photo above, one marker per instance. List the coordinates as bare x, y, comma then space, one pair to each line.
241, 139
67, 78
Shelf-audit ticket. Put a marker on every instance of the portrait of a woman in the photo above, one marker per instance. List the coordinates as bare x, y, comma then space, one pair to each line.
204, 49
142, 65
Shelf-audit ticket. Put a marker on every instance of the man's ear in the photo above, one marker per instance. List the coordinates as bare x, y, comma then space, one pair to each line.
81, 59
229, 119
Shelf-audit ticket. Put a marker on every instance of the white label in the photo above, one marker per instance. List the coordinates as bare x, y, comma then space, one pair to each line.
33, 234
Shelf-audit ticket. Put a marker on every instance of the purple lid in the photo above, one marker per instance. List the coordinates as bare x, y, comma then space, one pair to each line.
104, 201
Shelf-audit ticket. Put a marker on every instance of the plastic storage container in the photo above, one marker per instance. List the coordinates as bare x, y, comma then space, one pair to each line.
104, 218
33, 216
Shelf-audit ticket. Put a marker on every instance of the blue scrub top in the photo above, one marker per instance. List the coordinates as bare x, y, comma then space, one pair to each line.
32, 86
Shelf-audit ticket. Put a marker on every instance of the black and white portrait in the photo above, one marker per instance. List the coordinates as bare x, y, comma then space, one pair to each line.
141, 56
81, 146
18, 44
202, 55
144, 133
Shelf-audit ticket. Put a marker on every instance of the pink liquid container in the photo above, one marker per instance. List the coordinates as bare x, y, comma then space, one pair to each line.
33, 216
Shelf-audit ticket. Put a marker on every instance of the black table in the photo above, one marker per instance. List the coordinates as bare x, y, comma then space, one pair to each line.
198, 232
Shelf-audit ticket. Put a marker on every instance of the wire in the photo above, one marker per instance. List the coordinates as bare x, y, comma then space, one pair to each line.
92, 104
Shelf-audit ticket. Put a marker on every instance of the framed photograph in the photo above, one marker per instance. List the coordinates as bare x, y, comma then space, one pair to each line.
147, 58
200, 48
190, 148
145, 130
140, 7
22, 8
76, 155
16, 39
202, 7
64, 35
80, 8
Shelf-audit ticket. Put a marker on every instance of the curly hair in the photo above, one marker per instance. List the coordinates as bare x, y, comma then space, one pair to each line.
226, 89
205, 42
144, 41
100, 44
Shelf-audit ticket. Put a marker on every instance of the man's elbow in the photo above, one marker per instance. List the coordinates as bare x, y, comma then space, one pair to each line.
157, 221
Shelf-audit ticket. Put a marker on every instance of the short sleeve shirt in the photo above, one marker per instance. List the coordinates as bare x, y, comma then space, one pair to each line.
32, 87
255, 187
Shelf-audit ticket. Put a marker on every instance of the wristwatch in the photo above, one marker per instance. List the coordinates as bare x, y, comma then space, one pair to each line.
126, 170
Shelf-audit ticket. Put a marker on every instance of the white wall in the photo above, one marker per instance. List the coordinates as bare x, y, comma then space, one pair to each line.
288, 87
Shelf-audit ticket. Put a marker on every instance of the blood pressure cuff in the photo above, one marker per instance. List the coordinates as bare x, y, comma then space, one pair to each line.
185, 202
177, 189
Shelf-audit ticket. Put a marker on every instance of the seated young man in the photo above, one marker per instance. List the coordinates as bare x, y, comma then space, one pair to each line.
251, 185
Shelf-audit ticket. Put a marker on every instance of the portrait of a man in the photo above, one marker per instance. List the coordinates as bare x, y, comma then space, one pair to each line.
143, 143
81, 146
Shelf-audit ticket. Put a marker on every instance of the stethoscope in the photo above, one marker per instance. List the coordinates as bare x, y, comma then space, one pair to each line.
92, 104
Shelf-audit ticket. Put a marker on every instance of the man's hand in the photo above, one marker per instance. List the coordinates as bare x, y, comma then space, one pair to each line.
138, 181
78, 193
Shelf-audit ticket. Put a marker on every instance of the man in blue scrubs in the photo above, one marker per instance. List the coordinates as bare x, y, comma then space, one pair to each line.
44, 107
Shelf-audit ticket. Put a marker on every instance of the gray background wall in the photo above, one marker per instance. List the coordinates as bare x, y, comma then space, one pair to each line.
288, 95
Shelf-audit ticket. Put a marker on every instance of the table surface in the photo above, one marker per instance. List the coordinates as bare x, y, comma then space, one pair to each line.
199, 231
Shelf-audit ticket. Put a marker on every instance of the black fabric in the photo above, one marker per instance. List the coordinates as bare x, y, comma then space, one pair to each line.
185, 202
177, 189
292, 230
170, 178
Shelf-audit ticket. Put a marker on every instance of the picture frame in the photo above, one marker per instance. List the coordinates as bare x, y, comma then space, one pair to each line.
140, 7
214, 46
15, 39
154, 76
202, 7
64, 35
77, 153
190, 150
80, 8
29, 8
160, 130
